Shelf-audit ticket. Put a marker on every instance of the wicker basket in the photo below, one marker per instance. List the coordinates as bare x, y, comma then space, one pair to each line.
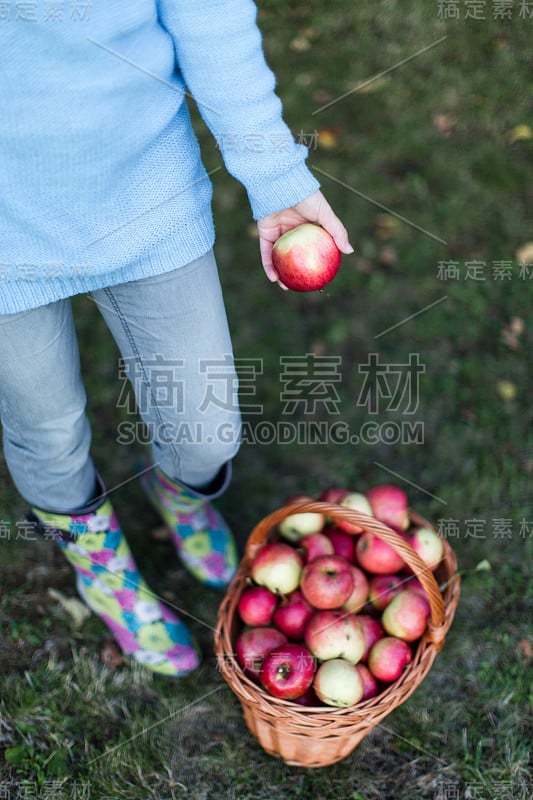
319, 736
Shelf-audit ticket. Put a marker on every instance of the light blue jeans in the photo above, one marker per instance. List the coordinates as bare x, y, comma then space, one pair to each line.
176, 351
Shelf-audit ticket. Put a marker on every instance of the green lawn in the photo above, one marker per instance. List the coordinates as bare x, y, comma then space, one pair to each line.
431, 175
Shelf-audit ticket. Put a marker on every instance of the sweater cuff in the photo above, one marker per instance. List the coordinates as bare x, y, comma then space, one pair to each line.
285, 191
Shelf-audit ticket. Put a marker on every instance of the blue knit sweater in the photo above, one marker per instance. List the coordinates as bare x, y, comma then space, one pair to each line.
101, 179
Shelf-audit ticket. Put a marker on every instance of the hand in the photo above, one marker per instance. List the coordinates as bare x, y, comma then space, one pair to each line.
314, 208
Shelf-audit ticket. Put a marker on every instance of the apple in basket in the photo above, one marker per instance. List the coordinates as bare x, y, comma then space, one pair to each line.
288, 671
296, 526
376, 556
278, 567
316, 545
414, 585
383, 588
372, 631
293, 614
406, 616
306, 258
253, 645
370, 685
327, 581
338, 683
389, 505
357, 502
333, 495
335, 634
388, 658
428, 545
359, 594
343, 544
256, 605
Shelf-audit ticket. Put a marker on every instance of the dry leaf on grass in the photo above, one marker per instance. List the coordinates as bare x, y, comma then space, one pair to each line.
328, 138
444, 124
520, 133
76, 610
525, 649
524, 254
506, 390
511, 333
111, 655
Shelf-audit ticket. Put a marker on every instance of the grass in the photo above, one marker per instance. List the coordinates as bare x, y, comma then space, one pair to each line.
120, 732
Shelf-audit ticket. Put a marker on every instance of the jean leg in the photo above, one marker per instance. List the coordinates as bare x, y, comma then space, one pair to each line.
46, 433
173, 335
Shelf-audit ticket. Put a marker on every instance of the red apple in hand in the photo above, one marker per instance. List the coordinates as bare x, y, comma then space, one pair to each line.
292, 615
388, 657
256, 605
278, 567
389, 505
327, 581
335, 634
253, 645
338, 683
306, 258
406, 616
376, 556
288, 671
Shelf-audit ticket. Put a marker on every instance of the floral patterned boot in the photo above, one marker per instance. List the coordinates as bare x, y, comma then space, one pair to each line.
110, 584
200, 535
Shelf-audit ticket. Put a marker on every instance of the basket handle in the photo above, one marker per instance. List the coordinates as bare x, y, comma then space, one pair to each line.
336, 512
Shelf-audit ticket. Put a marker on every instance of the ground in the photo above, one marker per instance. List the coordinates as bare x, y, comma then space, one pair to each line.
426, 160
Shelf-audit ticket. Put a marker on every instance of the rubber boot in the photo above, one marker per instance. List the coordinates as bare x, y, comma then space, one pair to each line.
110, 584
202, 539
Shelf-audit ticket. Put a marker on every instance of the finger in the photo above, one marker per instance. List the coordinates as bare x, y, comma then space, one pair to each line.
335, 228
265, 248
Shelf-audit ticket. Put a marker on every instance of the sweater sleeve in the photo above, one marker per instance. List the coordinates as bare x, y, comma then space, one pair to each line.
220, 56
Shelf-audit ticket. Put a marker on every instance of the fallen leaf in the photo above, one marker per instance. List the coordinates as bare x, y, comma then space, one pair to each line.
327, 139
524, 255
506, 390
310, 33
511, 333
318, 348
525, 649
111, 655
77, 610
303, 79
386, 226
300, 44
444, 124
388, 257
322, 96
363, 265
520, 133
